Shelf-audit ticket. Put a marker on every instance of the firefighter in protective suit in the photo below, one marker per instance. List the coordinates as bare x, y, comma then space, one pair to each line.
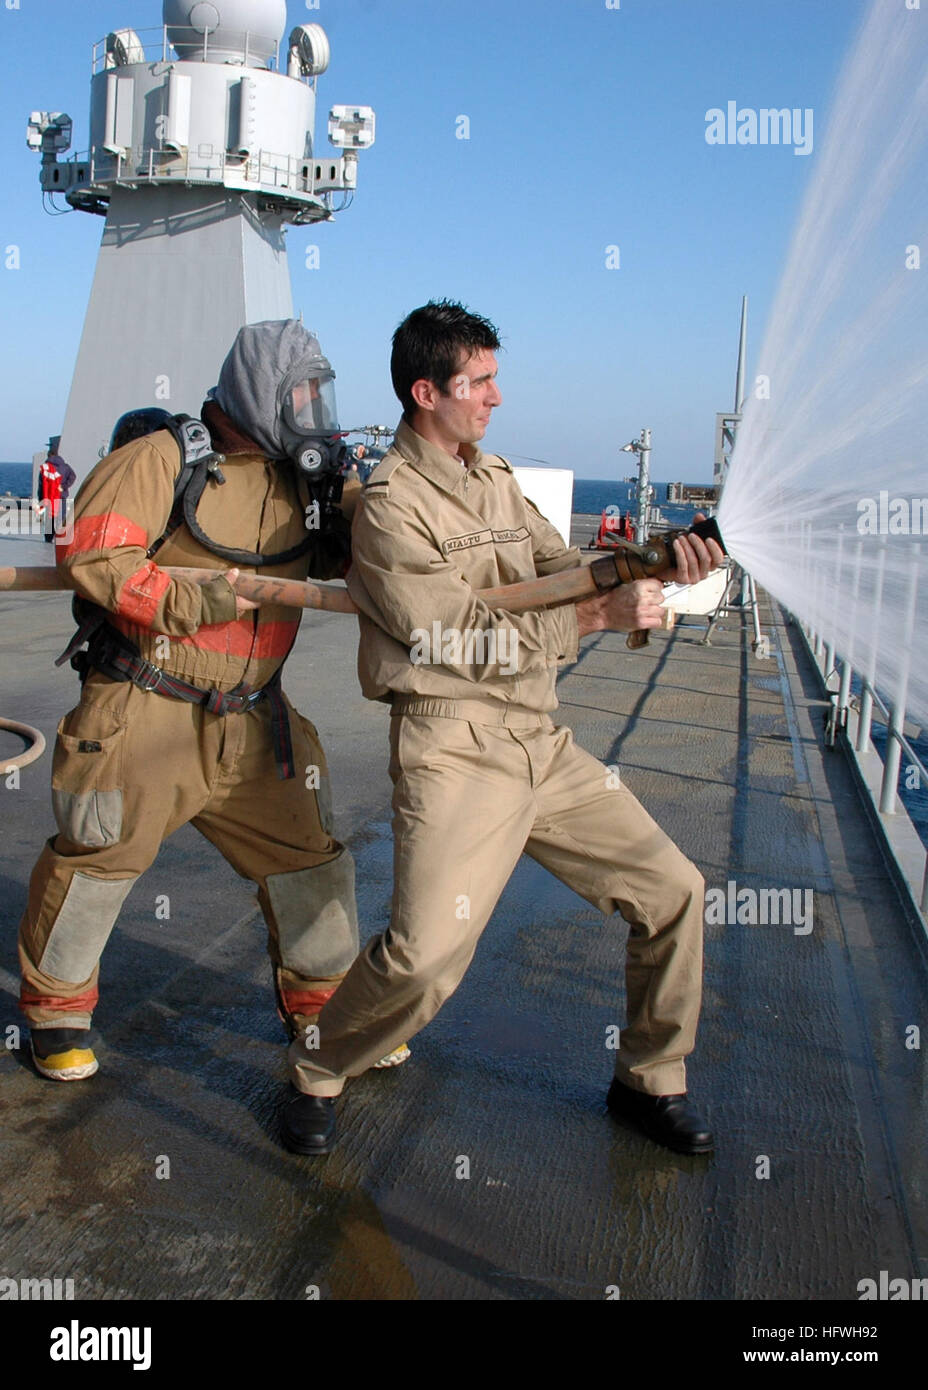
181, 716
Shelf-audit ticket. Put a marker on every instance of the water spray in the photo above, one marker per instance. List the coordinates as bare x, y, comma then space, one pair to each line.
825, 502
623, 565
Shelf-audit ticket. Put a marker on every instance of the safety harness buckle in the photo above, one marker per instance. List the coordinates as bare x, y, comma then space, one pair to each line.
149, 677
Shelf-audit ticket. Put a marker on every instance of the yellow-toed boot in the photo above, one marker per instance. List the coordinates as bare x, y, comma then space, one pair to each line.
63, 1054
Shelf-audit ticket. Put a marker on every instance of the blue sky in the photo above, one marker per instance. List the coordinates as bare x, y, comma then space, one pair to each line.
587, 130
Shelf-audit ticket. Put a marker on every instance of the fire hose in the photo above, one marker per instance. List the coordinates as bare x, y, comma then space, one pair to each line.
623, 565
34, 737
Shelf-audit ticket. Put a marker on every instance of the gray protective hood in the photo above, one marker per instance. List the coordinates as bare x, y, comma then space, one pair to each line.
264, 364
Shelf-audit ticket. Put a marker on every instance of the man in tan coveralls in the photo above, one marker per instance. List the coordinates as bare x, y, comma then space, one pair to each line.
190, 729
481, 773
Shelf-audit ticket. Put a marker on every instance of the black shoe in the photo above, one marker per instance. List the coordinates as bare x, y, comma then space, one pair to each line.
668, 1120
307, 1125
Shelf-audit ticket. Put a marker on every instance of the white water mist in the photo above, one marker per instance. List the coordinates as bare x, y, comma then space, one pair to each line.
826, 502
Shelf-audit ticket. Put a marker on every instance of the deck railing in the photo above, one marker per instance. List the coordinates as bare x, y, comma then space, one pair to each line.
831, 664
155, 46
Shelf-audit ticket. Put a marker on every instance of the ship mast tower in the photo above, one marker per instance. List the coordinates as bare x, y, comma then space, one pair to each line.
201, 151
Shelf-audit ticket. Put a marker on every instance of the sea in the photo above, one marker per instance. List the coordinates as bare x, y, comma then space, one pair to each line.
16, 478
591, 497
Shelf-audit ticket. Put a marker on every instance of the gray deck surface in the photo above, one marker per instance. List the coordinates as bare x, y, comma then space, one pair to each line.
801, 1055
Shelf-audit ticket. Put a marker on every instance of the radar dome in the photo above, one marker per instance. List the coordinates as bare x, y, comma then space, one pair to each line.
224, 31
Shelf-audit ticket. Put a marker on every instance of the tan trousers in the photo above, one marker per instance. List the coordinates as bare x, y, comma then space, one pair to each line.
469, 798
129, 768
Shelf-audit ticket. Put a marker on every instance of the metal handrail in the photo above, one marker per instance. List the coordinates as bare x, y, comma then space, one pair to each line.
899, 736
896, 744
895, 713
161, 50
845, 701
281, 170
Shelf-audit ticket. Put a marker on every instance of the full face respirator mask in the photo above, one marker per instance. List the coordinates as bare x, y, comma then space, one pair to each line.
278, 389
309, 427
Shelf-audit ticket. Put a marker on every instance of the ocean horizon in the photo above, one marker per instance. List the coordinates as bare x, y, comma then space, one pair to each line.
591, 495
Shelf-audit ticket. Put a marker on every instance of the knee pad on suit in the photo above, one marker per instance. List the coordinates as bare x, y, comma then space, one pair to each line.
82, 927
316, 918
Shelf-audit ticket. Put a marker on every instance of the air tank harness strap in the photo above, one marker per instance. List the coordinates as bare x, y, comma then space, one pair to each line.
115, 656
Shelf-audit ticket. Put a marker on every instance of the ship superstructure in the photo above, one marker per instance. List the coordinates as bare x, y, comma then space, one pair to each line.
201, 152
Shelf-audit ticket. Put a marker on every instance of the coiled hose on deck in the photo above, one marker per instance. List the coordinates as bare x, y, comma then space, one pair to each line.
34, 738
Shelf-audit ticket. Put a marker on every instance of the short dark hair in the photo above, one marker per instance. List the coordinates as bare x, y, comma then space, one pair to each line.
428, 344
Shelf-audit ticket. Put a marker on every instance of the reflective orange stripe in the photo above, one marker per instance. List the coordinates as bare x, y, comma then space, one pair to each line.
81, 1003
275, 639
142, 592
107, 532
306, 1001
272, 640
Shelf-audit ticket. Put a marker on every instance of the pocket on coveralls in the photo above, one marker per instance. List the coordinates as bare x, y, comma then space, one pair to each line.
87, 777
314, 758
426, 742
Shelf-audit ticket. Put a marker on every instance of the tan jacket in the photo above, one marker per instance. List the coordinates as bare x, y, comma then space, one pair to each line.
428, 534
123, 507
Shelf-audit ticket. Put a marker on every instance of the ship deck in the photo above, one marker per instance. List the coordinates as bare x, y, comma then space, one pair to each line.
801, 1060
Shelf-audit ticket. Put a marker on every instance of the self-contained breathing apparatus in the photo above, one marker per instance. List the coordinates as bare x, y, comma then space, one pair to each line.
319, 452
200, 464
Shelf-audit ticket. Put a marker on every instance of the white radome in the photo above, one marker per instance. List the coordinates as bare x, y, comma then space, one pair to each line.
225, 23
